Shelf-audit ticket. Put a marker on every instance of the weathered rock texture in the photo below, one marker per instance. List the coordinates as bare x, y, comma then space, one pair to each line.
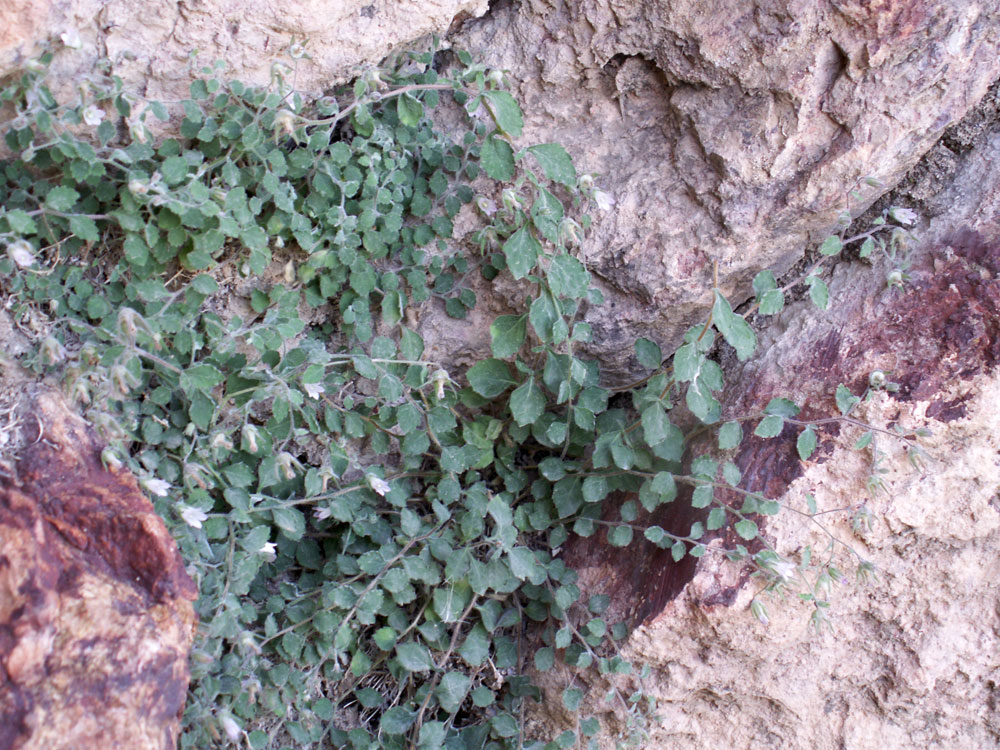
150, 43
96, 615
730, 131
914, 659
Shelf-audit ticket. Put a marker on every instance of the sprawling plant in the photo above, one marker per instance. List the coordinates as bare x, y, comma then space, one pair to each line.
373, 535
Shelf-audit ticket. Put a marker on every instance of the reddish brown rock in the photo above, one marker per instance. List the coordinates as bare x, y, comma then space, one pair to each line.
96, 615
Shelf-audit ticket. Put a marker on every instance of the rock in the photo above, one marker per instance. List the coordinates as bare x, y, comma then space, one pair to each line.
910, 659
730, 132
149, 44
96, 615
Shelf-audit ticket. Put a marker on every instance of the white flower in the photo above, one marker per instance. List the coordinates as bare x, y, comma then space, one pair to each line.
231, 728
157, 487
903, 216
314, 390
267, 550
321, 514
93, 116
21, 252
603, 200
377, 484
71, 38
784, 569
193, 516
487, 206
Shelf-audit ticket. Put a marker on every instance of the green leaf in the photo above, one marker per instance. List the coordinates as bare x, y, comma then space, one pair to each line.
716, 519
205, 284
524, 565
413, 657
201, 377
781, 407
818, 292
620, 536
450, 601
655, 534
648, 353
764, 281
655, 424
136, 250
746, 529
452, 690
770, 427
507, 333
702, 496
663, 484
385, 638
61, 198
806, 443
409, 110
432, 735
291, 522
831, 245
521, 251
845, 399
772, 302
731, 473
397, 720
505, 112
567, 277
497, 159
864, 441
677, 550
730, 435
527, 403
544, 659
571, 698
476, 646
555, 163
174, 169
733, 328
84, 228
490, 378
595, 489
543, 315
20, 222
687, 362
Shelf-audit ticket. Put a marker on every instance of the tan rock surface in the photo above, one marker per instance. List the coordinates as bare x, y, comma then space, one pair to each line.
730, 131
913, 659
96, 616
149, 44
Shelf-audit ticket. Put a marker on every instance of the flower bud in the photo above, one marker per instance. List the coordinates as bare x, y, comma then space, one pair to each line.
110, 459
52, 351
250, 438
284, 121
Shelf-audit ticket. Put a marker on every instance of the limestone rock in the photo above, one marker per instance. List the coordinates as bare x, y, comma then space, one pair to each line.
149, 44
729, 132
96, 615
911, 661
